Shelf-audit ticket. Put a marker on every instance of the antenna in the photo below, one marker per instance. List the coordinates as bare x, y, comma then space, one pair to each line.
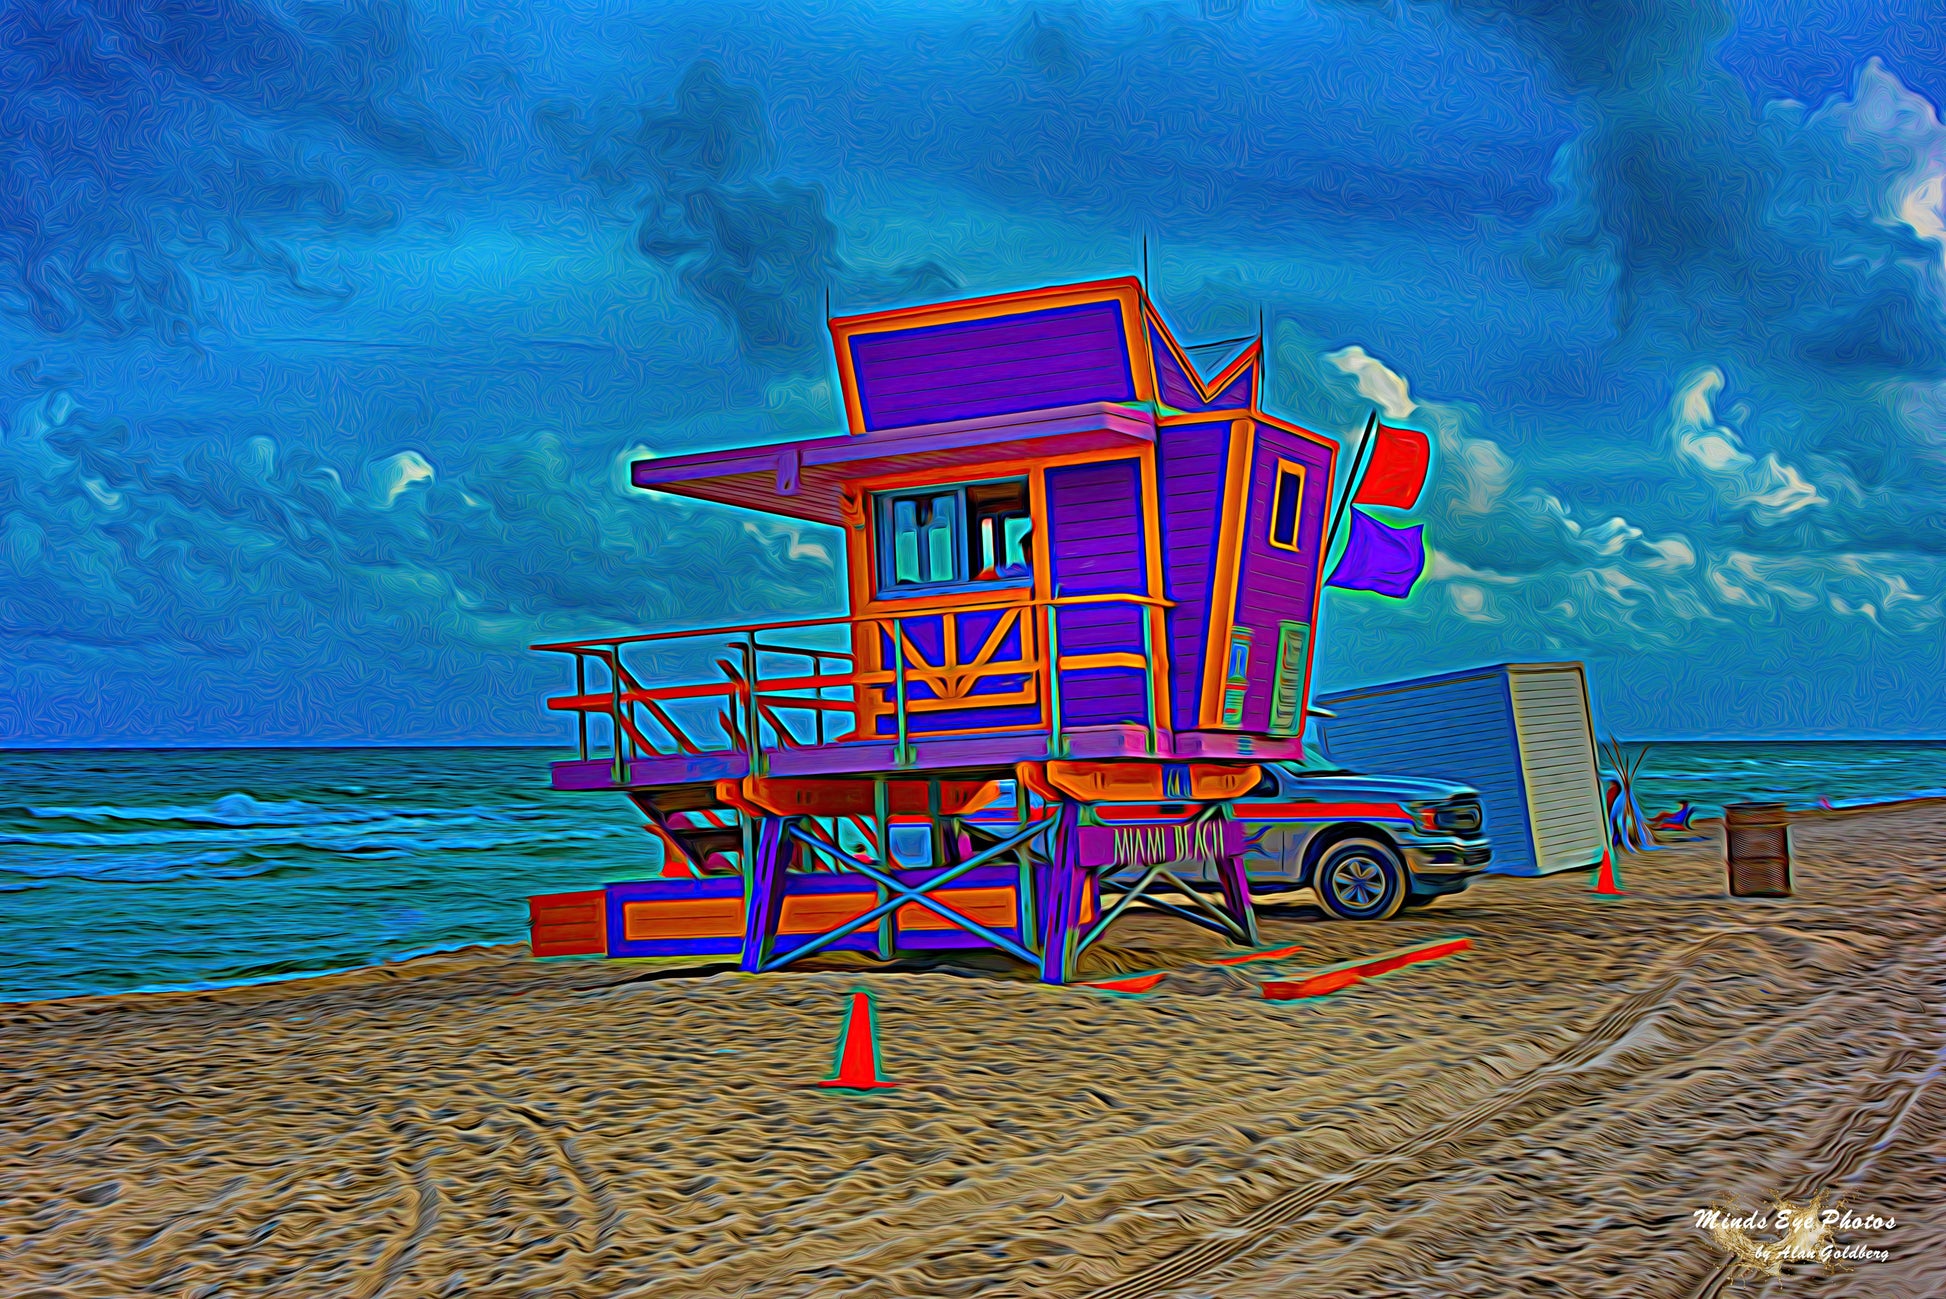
827, 302
1145, 266
1351, 479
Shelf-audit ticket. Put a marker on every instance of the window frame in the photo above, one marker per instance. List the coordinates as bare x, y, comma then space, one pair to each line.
1301, 472
885, 585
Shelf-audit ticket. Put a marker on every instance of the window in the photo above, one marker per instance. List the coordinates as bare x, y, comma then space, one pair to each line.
954, 536
1286, 505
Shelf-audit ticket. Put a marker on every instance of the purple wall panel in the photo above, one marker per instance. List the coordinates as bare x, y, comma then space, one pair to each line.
1172, 384
1059, 357
1102, 696
1190, 460
962, 719
1276, 585
1101, 629
1095, 523
616, 896
1237, 395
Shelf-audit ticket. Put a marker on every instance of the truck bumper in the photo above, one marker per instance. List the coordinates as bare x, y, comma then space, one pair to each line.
1444, 866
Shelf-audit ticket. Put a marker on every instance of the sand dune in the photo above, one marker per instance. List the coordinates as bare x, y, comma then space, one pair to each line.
1540, 1115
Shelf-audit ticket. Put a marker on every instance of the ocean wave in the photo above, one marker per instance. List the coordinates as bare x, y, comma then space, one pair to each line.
241, 811
143, 868
118, 859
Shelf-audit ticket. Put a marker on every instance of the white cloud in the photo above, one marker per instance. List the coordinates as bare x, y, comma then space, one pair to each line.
1376, 382
1769, 489
795, 547
1921, 208
1673, 555
398, 472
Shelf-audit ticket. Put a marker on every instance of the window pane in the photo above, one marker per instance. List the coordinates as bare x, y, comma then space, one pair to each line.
1015, 562
997, 515
1290, 496
939, 540
905, 541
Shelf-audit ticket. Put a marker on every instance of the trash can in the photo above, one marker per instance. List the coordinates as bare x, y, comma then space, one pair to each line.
1757, 842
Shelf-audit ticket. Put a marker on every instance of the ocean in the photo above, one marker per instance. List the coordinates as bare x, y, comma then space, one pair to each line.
125, 870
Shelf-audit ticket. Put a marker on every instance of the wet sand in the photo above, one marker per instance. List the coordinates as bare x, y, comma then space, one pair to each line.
1540, 1115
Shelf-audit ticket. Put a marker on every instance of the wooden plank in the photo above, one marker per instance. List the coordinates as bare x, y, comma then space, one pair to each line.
567, 924
994, 907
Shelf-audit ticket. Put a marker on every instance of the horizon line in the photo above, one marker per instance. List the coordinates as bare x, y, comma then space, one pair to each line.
193, 746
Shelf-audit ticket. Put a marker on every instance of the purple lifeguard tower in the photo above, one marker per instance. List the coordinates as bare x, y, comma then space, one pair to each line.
1083, 582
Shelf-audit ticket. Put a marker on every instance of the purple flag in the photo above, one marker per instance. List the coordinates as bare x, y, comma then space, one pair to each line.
1380, 558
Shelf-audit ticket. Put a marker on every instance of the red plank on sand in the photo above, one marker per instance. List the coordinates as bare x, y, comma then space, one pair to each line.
1317, 985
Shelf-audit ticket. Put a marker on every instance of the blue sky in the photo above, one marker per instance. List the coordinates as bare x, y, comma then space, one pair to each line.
330, 328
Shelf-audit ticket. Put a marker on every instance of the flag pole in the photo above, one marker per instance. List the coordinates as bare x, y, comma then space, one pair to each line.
1351, 481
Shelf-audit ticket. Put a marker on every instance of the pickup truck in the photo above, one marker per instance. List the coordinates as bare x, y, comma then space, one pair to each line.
1367, 845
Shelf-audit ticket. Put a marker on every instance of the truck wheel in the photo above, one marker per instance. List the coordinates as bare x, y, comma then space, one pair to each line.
1360, 879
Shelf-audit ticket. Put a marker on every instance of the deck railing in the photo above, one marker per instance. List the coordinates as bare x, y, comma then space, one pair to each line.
747, 708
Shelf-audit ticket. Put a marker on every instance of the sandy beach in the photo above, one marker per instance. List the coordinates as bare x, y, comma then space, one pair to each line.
1543, 1114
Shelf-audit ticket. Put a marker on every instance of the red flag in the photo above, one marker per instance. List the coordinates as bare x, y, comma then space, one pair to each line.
1397, 469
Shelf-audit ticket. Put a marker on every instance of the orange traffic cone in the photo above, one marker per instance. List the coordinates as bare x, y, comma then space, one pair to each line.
857, 1066
1608, 883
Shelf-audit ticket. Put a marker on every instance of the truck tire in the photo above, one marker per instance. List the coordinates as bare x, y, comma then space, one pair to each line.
1360, 879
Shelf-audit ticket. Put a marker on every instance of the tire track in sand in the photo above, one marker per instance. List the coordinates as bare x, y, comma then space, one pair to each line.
1862, 1142
1246, 1233
1417, 1154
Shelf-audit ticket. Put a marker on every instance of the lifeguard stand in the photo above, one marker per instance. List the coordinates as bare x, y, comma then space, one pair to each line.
1083, 582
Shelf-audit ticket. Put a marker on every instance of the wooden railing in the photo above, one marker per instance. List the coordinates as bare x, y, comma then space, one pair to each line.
744, 709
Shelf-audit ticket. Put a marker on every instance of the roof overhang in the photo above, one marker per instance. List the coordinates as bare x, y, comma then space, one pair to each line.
807, 479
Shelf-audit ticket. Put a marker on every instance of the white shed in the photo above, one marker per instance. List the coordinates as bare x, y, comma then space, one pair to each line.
1520, 733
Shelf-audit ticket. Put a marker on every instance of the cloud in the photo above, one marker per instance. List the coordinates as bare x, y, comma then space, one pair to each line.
398, 472
220, 563
1770, 490
145, 148
1375, 381
757, 248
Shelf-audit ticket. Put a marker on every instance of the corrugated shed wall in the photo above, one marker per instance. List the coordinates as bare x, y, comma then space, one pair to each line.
1558, 760
1097, 545
1458, 729
1190, 460
1059, 357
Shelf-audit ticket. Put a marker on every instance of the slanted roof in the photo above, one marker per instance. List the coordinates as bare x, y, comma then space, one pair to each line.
1070, 367
804, 479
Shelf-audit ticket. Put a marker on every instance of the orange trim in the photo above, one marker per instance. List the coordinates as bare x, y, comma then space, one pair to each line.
1277, 500
1126, 289
994, 304
1229, 558
1253, 354
1087, 662
1284, 426
1324, 553
1160, 680
864, 555
1033, 777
